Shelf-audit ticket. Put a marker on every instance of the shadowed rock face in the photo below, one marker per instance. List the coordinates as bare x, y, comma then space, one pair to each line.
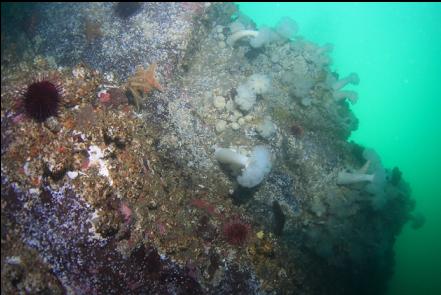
59, 227
157, 33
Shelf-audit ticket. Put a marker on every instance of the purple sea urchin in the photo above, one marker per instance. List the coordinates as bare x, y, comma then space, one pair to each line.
42, 100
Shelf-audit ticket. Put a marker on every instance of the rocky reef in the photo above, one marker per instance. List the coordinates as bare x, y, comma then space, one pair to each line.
119, 190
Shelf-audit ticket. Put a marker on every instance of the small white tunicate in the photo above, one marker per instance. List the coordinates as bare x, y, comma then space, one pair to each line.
266, 128
248, 118
275, 58
79, 73
26, 169
220, 126
14, 260
229, 106
219, 102
34, 191
237, 114
72, 174
109, 76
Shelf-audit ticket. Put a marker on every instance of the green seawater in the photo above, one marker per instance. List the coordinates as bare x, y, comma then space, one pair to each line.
396, 50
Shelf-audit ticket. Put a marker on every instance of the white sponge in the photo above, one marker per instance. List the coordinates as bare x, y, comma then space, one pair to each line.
287, 27
259, 83
231, 157
246, 93
259, 166
245, 98
255, 167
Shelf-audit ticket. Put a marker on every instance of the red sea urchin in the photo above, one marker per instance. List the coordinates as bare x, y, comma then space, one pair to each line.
42, 99
236, 232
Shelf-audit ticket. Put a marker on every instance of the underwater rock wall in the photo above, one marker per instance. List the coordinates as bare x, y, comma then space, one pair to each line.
121, 191
110, 41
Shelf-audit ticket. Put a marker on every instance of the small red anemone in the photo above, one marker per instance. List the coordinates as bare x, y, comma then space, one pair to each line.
236, 232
